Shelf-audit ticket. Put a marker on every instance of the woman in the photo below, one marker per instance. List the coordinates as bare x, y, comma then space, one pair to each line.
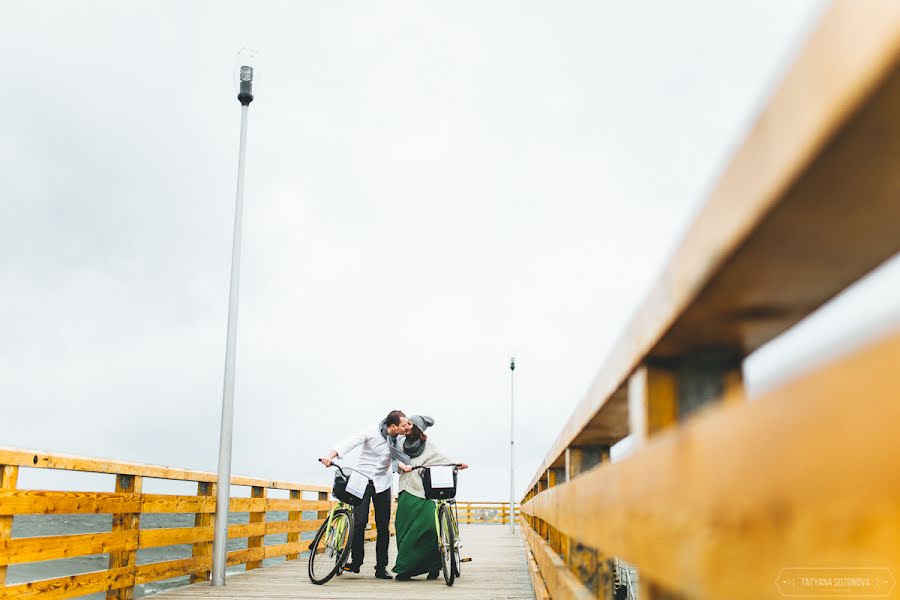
417, 542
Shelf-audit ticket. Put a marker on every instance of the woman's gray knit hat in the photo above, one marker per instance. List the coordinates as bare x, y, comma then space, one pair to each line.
422, 422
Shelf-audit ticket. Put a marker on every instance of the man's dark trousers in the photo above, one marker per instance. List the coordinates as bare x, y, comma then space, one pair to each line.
382, 501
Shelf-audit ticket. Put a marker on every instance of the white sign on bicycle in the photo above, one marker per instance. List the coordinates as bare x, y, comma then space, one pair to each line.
357, 484
441, 477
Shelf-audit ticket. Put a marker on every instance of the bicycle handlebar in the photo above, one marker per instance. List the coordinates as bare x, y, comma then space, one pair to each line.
455, 466
342, 467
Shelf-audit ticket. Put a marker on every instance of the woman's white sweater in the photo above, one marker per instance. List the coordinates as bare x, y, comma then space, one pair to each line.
412, 482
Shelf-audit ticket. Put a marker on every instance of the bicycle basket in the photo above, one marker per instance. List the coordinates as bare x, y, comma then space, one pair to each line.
339, 491
440, 493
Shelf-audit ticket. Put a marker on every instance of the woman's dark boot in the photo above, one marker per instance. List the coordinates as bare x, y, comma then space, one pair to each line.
433, 574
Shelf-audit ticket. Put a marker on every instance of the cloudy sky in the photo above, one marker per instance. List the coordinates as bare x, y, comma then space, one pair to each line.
431, 186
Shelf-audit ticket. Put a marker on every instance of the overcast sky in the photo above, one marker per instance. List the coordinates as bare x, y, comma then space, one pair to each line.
431, 186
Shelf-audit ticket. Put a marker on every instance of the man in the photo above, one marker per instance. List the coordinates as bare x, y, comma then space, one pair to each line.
380, 447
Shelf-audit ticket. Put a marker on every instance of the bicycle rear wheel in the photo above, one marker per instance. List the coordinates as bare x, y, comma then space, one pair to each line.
447, 543
331, 546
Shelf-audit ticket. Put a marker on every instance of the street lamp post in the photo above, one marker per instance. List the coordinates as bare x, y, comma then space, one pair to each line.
223, 482
512, 442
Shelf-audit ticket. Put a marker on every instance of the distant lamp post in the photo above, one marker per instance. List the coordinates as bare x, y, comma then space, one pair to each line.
223, 482
512, 442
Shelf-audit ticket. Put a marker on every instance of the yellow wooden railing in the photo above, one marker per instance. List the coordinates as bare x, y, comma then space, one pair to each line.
126, 505
484, 512
725, 498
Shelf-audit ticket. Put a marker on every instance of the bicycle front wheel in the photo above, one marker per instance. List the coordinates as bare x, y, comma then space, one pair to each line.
329, 549
447, 543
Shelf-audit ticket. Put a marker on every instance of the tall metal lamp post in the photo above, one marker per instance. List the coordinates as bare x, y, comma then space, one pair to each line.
223, 482
512, 442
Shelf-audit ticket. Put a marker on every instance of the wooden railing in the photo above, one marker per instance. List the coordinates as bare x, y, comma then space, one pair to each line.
724, 498
484, 512
126, 505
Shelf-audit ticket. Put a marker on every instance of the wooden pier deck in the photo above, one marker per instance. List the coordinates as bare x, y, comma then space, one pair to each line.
498, 571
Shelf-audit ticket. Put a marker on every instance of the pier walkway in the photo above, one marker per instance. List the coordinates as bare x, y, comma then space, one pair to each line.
498, 571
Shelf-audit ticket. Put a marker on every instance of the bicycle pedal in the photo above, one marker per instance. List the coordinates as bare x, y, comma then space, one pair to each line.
469, 559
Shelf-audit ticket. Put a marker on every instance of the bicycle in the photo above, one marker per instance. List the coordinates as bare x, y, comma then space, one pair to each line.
446, 523
335, 535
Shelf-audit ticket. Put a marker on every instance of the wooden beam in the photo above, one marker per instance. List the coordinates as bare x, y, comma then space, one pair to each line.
561, 584
807, 206
71, 585
295, 516
130, 523
55, 547
808, 474
43, 460
206, 521
537, 581
9, 476
42, 502
256, 517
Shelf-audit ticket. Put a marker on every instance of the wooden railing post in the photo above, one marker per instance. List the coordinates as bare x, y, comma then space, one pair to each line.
203, 519
295, 516
585, 562
9, 476
555, 477
256, 541
125, 484
652, 402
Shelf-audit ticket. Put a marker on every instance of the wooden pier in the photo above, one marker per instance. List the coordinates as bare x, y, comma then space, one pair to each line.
498, 571
721, 494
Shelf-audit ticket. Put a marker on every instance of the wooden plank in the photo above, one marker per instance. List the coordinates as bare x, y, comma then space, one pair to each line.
127, 523
54, 547
44, 460
292, 527
201, 546
809, 474
172, 536
256, 541
537, 581
277, 550
36, 502
498, 570
172, 568
170, 503
561, 584
239, 557
9, 476
807, 206
71, 586
295, 517
282, 504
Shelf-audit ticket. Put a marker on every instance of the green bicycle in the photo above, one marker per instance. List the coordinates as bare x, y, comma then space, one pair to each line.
330, 549
446, 522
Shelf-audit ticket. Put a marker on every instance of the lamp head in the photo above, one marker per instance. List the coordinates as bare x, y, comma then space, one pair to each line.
246, 60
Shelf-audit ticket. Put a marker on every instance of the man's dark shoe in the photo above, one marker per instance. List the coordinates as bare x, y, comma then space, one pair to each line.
352, 568
433, 575
382, 574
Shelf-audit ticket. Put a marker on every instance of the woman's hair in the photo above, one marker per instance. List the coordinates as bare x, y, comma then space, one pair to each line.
417, 434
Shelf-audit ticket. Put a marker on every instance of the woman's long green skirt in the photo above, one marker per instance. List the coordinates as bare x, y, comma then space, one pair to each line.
417, 541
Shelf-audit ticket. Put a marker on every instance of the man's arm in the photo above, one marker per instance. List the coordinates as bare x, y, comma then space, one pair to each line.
344, 447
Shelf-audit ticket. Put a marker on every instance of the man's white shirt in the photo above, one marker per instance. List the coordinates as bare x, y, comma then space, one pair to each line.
374, 459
